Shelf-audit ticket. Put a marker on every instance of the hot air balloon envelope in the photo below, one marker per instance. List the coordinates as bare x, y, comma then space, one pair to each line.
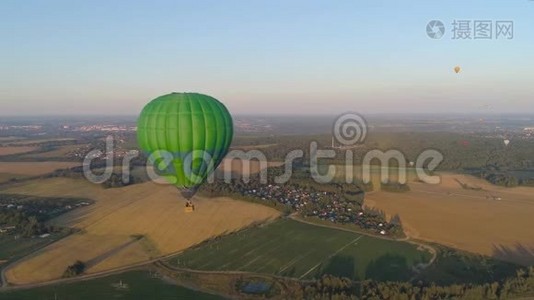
186, 135
457, 69
506, 142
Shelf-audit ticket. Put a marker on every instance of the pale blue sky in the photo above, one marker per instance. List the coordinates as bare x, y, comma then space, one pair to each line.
304, 57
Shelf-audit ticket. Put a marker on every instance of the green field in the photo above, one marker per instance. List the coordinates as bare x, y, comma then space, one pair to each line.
135, 285
291, 248
12, 249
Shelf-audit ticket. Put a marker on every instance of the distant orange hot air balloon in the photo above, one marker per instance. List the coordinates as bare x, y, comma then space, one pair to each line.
457, 69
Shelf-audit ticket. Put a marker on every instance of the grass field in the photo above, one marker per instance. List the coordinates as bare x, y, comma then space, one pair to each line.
34, 168
135, 285
290, 248
471, 220
105, 240
11, 248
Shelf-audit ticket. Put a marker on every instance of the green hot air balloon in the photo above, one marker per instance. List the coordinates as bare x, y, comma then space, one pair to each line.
186, 135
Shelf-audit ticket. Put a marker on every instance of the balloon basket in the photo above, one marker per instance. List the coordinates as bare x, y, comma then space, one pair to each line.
189, 209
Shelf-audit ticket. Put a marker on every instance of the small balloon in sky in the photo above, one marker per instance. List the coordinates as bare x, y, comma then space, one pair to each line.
506, 142
457, 69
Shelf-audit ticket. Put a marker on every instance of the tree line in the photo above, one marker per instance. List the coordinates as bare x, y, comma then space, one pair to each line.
332, 287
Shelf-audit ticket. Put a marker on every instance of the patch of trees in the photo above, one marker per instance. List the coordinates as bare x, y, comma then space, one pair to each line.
27, 226
527, 182
44, 208
460, 151
28, 214
453, 266
395, 226
332, 287
522, 284
75, 269
373, 216
117, 180
506, 180
75, 172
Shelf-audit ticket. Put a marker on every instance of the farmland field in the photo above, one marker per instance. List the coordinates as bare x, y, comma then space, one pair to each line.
34, 168
38, 141
290, 248
15, 150
239, 167
10, 138
135, 285
493, 221
4, 177
59, 152
375, 173
105, 241
11, 248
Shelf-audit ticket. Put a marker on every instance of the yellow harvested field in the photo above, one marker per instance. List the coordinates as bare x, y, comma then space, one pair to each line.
472, 220
34, 168
107, 227
15, 150
374, 173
